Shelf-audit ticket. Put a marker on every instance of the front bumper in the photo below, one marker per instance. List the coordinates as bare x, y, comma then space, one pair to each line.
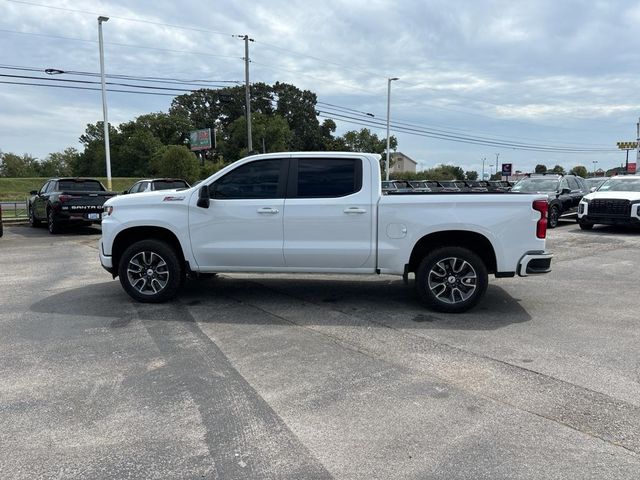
105, 260
534, 263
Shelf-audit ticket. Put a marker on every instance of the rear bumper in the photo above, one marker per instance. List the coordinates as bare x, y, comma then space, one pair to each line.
534, 263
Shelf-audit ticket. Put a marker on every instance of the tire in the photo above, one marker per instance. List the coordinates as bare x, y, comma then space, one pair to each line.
585, 225
52, 223
150, 271
33, 221
553, 216
451, 279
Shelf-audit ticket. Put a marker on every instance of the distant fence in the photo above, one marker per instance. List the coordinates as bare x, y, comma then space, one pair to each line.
14, 210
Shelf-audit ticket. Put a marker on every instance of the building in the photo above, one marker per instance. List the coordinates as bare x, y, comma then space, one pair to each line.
401, 163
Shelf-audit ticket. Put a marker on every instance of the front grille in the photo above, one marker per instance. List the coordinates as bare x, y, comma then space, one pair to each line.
612, 207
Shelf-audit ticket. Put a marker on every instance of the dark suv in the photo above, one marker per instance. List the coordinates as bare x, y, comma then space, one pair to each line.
563, 191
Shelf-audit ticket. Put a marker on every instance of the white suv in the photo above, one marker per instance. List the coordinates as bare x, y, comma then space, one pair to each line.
616, 202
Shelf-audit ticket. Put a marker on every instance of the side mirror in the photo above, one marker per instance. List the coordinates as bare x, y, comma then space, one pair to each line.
33, 192
125, 192
565, 191
203, 197
593, 189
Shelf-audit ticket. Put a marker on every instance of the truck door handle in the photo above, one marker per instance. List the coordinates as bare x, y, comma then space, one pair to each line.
354, 210
268, 210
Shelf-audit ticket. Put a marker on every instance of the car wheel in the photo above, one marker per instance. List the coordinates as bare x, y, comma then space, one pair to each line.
52, 223
451, 279
33, 221
150, 271
554, 216
585, 225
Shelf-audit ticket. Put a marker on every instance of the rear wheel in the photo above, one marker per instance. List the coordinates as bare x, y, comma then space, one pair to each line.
52, 223
150, 271
451, 279
554, 216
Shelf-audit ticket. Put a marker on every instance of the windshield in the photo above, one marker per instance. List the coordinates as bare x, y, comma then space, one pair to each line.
536, 185
621, 185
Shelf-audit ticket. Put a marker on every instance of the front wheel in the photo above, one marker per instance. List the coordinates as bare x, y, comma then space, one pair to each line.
585, 225
150, 271
451, 279
33, 221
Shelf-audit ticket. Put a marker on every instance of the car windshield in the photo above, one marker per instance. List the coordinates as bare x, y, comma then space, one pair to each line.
170, 184
536, 185
621, 185
417, 184
80, 186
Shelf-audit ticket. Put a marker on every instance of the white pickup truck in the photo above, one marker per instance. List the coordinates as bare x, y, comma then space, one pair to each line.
322, 212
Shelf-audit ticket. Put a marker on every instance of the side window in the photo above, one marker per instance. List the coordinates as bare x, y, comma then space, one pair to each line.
259, 179
51, 187
563, 184
573, 184
135, 188
328, 177
44, 188
145, 187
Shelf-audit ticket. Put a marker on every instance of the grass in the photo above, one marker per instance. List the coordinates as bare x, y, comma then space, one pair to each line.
17, 189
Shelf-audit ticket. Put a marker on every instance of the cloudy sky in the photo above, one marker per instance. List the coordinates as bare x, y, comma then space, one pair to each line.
547, 77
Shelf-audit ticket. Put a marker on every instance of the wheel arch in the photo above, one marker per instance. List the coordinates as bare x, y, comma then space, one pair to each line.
132, 235
476, 242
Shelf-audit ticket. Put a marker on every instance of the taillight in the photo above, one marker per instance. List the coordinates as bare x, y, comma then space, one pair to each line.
541, 227
66, 198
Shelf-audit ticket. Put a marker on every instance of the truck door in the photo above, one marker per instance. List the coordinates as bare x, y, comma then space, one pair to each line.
328, 213
243, 225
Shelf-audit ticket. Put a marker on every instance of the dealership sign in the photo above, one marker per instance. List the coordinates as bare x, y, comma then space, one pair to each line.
627, 145
200, 139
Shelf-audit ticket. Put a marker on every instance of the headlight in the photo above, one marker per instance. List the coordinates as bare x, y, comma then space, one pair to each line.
107, 211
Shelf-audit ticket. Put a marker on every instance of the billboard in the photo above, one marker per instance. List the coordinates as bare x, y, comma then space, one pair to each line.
200, 139
506, 169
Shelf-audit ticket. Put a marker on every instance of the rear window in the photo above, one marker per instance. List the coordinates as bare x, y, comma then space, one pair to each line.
169, 185
80, 186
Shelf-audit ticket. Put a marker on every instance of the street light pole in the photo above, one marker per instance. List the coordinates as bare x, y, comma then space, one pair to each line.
484, 159
386, 164
595, 162
107, 150
497, 155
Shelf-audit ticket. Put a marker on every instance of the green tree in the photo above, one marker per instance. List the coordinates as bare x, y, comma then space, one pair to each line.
176, 161
579, 170
558, 169
274, 130
471, 175
298, 108
12, 165
540, 168
60, 164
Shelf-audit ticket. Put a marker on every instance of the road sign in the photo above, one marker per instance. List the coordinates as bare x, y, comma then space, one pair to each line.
627, 145
506, 169
200, 139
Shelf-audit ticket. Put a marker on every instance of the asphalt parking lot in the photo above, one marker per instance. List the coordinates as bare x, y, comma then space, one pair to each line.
302, 377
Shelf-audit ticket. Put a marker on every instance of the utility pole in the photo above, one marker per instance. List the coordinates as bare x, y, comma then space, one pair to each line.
246, 90
107, 150
497, 155
386, 164
484, 159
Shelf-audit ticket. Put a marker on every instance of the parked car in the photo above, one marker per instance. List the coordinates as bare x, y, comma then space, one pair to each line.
419, 186
71, 201
498, 185
616, 202
594, 182
563, 191
153, 184
394, 186
475, 186
280, 212
452, 185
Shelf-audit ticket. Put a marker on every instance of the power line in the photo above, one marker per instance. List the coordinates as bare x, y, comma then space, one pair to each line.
127, 45
458, 138
74, 87
139, 20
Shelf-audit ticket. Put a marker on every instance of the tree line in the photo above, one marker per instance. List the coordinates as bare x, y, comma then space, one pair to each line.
283, 118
